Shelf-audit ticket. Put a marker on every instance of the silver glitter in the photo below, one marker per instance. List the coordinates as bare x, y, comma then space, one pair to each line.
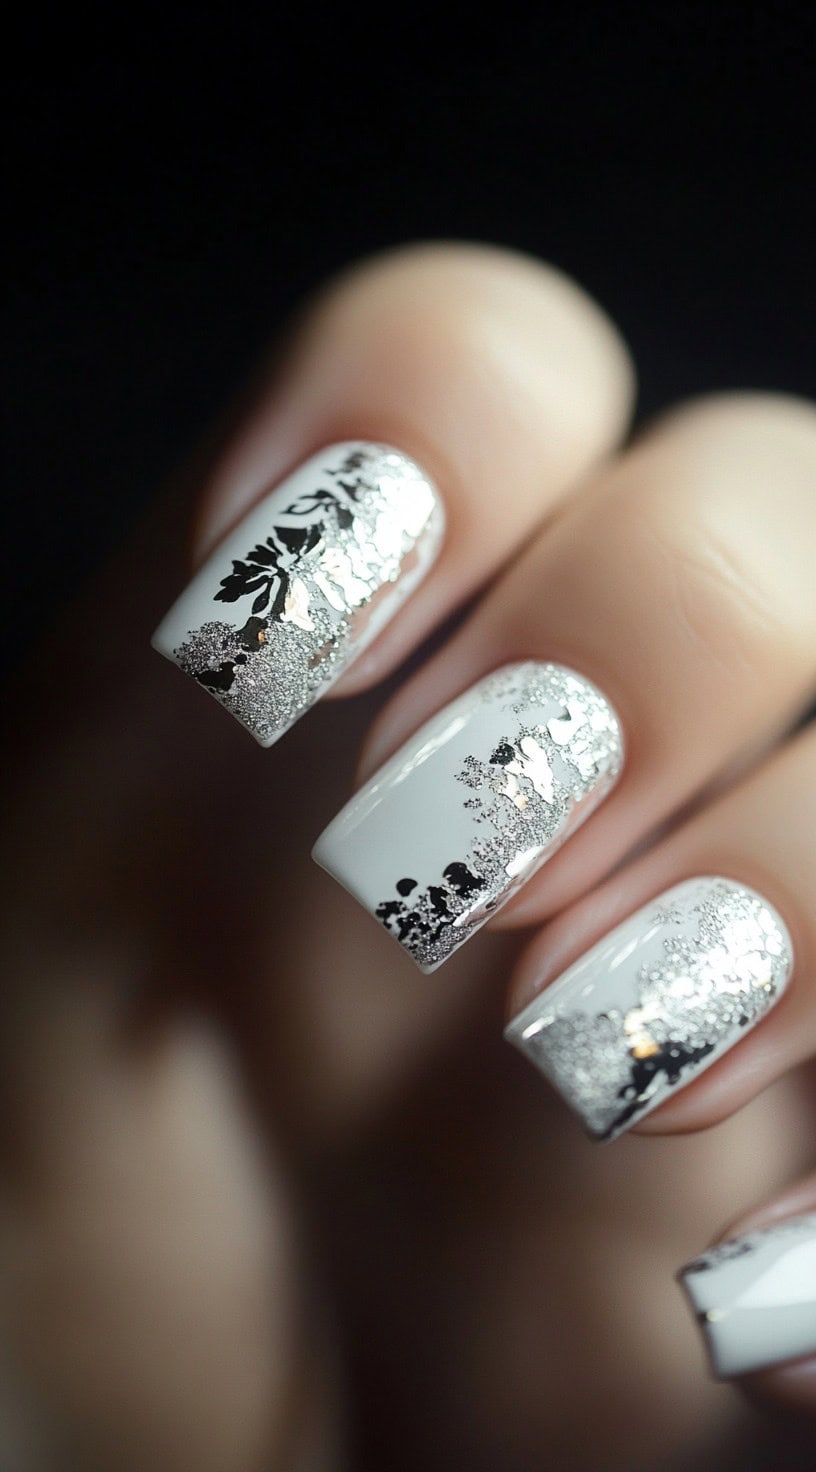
526, 796
718, 958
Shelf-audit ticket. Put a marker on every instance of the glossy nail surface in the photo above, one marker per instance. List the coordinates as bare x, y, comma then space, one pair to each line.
473, 804
657, 1001
755, 1297
305, 583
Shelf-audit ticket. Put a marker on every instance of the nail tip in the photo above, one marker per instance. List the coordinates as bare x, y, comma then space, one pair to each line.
330, 869
754, 1297
425, 970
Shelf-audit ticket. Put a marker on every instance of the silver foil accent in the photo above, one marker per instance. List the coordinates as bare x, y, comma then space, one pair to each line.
526, 793
657, 1001
316, 572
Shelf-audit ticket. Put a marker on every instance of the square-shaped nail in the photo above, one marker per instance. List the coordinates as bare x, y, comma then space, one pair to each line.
304, 583
755, 1297
473, 804
657, 1001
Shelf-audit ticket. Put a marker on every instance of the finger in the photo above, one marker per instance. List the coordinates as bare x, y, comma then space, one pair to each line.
646, 986
494, 366
679, 581
151, 1308
754, 1296
496, 384
481, 363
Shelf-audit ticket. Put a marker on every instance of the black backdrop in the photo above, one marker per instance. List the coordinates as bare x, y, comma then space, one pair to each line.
179, 182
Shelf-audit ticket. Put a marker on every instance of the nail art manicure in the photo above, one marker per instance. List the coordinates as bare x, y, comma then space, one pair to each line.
755, 1297
470, 808
305, 583
657, 1001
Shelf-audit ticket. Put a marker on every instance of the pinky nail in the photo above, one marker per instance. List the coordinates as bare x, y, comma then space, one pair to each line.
755, 1297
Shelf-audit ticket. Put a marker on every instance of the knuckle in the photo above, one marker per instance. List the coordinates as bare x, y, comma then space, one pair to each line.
722, 605
719, 496
713, 586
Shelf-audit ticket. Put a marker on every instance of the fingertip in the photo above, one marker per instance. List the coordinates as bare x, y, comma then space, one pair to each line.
790, 1388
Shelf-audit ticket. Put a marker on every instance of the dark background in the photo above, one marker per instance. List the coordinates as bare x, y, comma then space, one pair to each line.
178, 183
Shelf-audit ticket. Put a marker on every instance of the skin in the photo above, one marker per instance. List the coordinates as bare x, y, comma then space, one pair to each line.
272, 1201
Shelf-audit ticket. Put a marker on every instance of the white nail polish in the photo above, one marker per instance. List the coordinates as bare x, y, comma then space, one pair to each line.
657, 1001
473, 804
755, 1297
305, 583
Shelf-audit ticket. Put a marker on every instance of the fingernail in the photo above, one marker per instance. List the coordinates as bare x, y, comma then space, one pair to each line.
466, 811
755, 1297
304, 583
657, 1001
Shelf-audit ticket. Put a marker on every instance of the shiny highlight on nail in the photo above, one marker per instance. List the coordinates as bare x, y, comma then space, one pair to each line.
657, 1001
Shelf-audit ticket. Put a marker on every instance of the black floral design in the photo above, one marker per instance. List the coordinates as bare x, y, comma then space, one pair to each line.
269, 567
263, 569
287, 606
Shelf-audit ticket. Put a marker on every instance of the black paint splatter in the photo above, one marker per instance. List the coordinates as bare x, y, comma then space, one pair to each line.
248, 640
671, 1059
503, 754
421, 921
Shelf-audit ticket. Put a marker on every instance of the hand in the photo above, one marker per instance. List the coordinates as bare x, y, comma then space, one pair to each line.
270, 1193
